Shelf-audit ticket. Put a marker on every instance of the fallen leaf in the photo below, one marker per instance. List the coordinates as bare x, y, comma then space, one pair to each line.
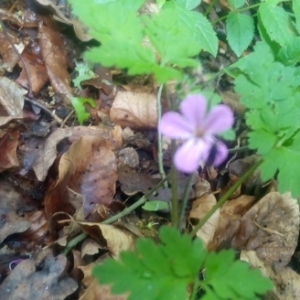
134, 110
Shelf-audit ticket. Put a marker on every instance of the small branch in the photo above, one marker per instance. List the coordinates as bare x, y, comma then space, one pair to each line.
72, 243
44, 108
224, 198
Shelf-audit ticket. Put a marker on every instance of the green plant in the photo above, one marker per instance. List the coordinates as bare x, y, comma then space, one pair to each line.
165, 44
171, 269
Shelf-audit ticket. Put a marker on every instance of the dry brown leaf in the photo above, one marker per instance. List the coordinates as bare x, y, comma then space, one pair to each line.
117, 239
134, 110
11, 100
96, 291
271, 228
233, 101
229, 221
133, 181
55, 59
11, 203
28, 282
286, 280
8, 145
200, 208
88, 168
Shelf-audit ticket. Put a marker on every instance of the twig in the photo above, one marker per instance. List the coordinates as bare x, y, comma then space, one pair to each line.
225, 197
44, 108
72, 243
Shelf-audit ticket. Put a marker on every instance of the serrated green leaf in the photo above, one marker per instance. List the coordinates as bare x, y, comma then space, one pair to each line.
205, 34
296, 9
189, 4
290, 53
78, 104
277, 23
155, 272
236, 3
262, 140
240, 31
234, 279
196, 252
283, 159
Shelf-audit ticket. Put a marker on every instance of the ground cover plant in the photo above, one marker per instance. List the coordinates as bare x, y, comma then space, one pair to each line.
150, 149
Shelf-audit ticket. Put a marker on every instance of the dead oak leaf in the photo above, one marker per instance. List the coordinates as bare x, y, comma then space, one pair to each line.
134, 110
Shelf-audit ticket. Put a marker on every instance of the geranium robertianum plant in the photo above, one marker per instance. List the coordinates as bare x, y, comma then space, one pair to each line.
176, 33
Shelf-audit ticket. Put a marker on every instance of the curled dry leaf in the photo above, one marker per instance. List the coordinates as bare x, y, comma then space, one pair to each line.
200, 208
88, 168
116, 239
134, 110
271, 228
128, 157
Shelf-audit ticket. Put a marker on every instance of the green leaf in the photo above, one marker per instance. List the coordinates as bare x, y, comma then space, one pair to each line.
296, 9
284, 159
240, 31
78, 104
189, 4
236, 3
156, 205
234, 279
290, 53
84, 72
160, 3
155, 271
262, 140
277, 23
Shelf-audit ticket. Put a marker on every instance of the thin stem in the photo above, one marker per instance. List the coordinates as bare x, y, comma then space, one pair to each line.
174, 200
72, 243
225, 197
159, 137
208, 10
238, 10
187, 190
238, 149
195, 287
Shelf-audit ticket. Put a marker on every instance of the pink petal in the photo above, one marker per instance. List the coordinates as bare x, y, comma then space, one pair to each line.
219, 119
221, 153
193, 108
188, 156
175, 126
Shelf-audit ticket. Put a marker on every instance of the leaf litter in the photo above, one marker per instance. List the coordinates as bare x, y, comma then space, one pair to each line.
59, 180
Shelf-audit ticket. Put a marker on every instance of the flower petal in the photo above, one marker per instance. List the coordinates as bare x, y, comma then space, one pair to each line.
193, 108
221, 153
219, 119
175, 126
188, 156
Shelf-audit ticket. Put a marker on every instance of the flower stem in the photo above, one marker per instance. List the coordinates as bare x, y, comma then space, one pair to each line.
174, 200
72, 243
187, 190
225, 197
159, 137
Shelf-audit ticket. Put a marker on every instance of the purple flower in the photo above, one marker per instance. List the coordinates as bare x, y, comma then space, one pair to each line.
197, 128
